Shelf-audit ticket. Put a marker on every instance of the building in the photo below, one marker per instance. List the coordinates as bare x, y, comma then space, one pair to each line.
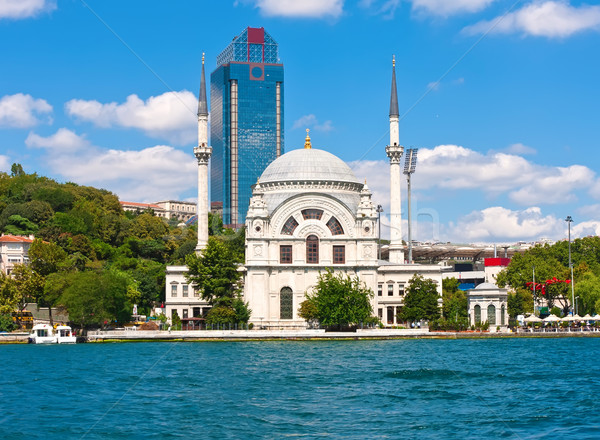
309, 212
246, 94
13, 250
168, 209
487, 302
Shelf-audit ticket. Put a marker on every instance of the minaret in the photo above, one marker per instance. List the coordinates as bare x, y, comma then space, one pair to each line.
394, 152
202, 153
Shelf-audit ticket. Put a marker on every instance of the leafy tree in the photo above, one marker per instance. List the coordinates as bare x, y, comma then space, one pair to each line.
587, 289
308, 310
16, 170
216, 274
421, 300
17, 225
454, 300
93, 298
10, 295
6, 323
519, 302
146, 226
340, 300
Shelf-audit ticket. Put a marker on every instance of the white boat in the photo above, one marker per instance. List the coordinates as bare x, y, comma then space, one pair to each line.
64, 335
45, 334
42, 334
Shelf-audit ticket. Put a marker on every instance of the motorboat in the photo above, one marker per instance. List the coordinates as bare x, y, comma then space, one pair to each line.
64, 335
45, 334
42, 334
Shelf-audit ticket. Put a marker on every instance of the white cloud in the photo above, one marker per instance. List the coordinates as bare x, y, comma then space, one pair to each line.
62, 141
22, 111
519, 148
585, 229
450, 7
552, 19
502, 224
4, 163
311, 121
170, 116
151, 174
303, 8
24, 8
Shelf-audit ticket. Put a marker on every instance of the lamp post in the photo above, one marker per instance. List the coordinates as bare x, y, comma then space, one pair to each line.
576, 304
379, 210
569, 220
410, 163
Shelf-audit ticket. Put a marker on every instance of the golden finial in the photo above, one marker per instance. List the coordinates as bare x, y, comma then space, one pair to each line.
307, 144
393, 60
202, 57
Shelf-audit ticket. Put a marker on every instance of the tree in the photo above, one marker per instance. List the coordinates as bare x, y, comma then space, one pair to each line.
93, 298
519, 302
215, 273
340, 301
454, 304
587, 289
421, 300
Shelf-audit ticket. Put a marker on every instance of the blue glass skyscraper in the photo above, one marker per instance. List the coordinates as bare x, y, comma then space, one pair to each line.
246, 96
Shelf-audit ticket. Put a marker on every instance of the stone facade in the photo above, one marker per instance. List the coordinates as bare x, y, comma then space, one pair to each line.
488, 302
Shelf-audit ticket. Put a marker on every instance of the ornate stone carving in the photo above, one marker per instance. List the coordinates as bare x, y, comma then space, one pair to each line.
202, 154
394, 152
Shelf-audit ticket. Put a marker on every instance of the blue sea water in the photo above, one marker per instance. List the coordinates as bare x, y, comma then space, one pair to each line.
425, 389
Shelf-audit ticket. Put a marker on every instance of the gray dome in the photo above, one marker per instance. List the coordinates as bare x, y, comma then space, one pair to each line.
486, 286
308, 164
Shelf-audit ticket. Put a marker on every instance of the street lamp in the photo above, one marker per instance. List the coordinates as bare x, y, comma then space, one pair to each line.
576, 304
379, 210
410, 163
569, 220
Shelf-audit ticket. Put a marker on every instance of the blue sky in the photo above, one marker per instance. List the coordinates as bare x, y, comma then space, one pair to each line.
501, 98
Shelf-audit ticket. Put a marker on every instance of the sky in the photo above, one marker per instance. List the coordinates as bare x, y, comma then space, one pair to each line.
501, 97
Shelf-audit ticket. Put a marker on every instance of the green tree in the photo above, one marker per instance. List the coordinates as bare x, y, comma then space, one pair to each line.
454, 304
94, 298
215, 273
341, 301
17, 225
421, 300
587, 289
519, 302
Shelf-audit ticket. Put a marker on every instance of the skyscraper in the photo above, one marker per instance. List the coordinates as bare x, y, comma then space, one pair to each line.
246, 96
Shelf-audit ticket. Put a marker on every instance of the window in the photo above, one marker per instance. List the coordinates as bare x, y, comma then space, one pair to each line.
312, 249
290, 226
401, 289
390, 315
185, 313
339, 254
492, 314
477, 310
286, 303
502, 313
309, 214
380, 313
173, 289
335, 227
285, 254
390, 290
380, 291
185, 290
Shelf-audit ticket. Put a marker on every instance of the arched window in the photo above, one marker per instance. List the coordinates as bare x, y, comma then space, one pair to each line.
502, 313
286, 303
492, 314
290, 226
477, 310
309, 214
312, 249
335, 227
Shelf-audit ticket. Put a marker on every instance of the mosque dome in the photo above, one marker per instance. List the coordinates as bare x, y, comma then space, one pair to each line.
308, 164
486, 286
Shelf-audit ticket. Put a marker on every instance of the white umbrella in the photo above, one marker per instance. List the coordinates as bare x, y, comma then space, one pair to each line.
587, 317
532, 318
596, 317
567, 318
551, 318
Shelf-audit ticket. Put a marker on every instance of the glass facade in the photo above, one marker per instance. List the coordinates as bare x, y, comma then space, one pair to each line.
246, 94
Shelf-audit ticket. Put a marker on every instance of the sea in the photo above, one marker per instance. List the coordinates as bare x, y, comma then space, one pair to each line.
512, 388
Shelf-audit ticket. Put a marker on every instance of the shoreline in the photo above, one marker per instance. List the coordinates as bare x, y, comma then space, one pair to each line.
294, 335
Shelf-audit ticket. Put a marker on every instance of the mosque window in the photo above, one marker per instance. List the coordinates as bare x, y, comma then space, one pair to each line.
339, 255
312, 249
185, 290
290, 226
286, 303
391, 289
334, 226
477, 310
492, 314
401, 289
380, 290
173, 289
285, 253
309, 214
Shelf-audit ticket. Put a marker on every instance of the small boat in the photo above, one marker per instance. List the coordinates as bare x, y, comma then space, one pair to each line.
45, 334
64, 335
42, 334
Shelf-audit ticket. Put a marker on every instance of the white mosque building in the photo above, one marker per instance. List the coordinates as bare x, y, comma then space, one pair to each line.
308, 212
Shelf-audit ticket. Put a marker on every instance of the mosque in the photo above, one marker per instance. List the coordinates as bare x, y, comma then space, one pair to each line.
308, 212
